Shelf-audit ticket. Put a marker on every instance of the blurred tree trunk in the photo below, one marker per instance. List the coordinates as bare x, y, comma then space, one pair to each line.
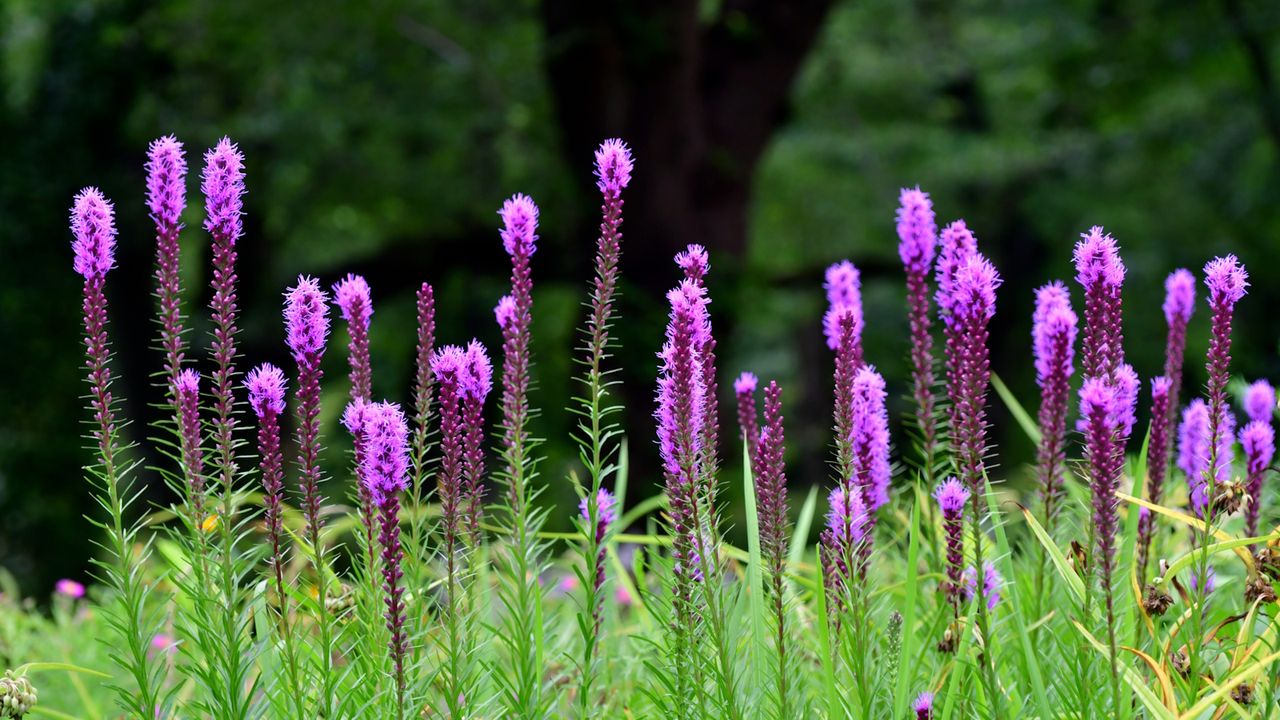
697, 98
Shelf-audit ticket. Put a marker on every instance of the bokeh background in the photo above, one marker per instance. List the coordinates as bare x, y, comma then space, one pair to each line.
382, 136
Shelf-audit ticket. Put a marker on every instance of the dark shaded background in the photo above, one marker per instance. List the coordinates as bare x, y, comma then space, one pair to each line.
381, 137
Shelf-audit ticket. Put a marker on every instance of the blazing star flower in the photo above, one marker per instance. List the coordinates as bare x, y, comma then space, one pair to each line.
1260, 401
223, 188
266, 385
744, 388
352, 296
186, 390
968, 362
1258, 439
613, 166
423, 386
69, 589
1210, 584
520, 225
1101, 273
844, 300
846, 518
917, 230
166, 181
1226, 279
306, 318
992, 584
606, 507
956, 244
923, 706
93, 224
1179, 304
771, 485
1157, 464
1053, 335
695, 262
166, 199
952, 495
869, 438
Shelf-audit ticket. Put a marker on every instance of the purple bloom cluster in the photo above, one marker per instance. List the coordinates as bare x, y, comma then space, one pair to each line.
423, 384
474, 384
1179, 304
744, 388
1227, 280
952, 495
223, 188
771, 482
1258, 440
1100, 272
266, 387
869, 440
970, 308
1260, 401
1197, 450
93, 225
923, 706
515, 314
918, 238
352, 296
464, 377
1053, 333
613, 167
166, 199
992, 583
306, 318
1157, 462
844, 306
186, 391
954, 245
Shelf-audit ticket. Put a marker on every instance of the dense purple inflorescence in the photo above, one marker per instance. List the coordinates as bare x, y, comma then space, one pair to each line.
352, 296
952, 495
1053, 333
166, 199
1157, 462
744, 389
918, 238
266, 387
306, 330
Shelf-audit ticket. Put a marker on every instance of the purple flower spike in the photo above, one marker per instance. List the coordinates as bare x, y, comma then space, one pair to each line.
968, 363
166, 182
306, 316
1258, 439
1210, 584
844, 300
918, 238
917, 230
223, 188
166, 199
869, 438
266, 384
613, 166
352, 296
93, 224
520, 225
1157, 463
846, 519
923, 706
606, 507
1226, 279
694, 262
680, 414
186, 390
1053, 335
1106, 411
449, 368
1260, 401
505, 311
385, 473
992, 583
748, 420
771, 486
1100, 272
952, 495
956, 243
423, 384
475, 381
1179, 304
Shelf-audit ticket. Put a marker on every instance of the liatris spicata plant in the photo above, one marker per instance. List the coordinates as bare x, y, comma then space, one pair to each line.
918, 236
352, 296
1196, 452
1100, 272
696, 263
385, 472
990, 586
423, 395
1107, 418
1258, 440
952, 495
523, 695
613, 168
306, 316
606, 514
744, 388
1053, 332
266, 387
771, 496
842, 325
166, 199
955, 243
1157, 463
94, 246
186, 391
869, 440
1179, 304
474, 385
842, 540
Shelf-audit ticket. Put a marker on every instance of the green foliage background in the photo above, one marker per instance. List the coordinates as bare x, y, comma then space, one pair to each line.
381, 138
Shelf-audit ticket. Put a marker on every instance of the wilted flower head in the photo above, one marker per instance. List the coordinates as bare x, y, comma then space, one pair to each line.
992, 583
1260, 401
951, 495
519, 225
306, 317
93, 224
606, 508
1097, 259
1179, 295
917, 229
694, 261
266, 385
386, 455
746, 383
223, 188
1226, 279
505, 311
844, 298
353, 298
69, 588
166, 180
613, 165
476, 378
